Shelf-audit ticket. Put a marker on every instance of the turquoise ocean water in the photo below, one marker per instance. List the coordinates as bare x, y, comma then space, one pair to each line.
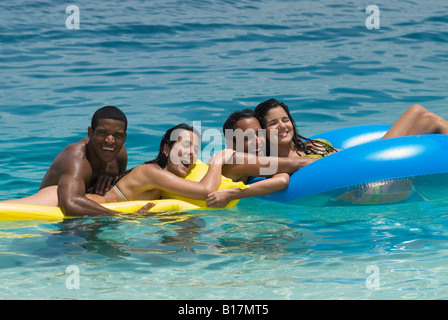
165, 62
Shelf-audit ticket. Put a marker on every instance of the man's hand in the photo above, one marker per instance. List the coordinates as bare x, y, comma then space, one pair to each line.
102, 185
221, 198
146, 207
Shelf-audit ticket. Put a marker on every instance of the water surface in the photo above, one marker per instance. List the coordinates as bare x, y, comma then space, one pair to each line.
166, 62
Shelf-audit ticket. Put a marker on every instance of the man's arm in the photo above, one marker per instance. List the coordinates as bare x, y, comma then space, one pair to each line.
249, 165
72, 191
221, 198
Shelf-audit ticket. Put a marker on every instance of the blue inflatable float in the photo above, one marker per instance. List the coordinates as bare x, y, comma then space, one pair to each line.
372, 171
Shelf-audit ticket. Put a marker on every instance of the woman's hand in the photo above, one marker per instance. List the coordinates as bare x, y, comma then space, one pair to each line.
221, 198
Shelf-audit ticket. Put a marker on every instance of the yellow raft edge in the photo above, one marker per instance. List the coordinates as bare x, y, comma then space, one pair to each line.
20, 212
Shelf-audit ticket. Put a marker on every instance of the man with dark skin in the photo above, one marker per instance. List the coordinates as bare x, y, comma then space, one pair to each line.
91, 164
104, 171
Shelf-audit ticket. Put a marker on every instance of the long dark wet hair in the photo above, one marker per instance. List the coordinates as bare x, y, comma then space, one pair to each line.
162, 159
299, 141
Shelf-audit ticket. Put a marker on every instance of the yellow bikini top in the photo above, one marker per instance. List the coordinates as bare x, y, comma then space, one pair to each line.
328, 148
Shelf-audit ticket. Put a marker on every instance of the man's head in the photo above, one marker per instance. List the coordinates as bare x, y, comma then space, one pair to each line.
109, 112
107, 133
241, 130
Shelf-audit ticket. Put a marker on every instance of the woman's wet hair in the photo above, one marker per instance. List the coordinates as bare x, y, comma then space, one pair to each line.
299, 141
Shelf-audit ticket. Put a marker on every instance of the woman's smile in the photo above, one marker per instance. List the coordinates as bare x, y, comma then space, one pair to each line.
183, 153
277, 119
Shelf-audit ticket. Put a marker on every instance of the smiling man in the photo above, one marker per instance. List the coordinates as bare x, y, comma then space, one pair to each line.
91, 164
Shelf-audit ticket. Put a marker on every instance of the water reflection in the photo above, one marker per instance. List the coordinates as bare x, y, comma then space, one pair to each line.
177, 237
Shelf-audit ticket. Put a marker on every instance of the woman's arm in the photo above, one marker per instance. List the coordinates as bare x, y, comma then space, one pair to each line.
221, 198
245, 164
155, 178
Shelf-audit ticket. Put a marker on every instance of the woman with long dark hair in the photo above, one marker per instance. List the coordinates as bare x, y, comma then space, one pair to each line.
274, 115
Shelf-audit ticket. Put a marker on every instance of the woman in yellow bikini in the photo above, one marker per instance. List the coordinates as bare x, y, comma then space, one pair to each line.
274, 115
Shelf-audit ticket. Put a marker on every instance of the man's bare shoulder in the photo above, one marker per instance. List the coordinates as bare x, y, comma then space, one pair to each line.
72, 157
76, 149
73, 153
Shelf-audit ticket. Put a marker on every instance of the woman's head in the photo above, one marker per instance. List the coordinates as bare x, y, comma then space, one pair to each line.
241, 132
274, 115
178, 149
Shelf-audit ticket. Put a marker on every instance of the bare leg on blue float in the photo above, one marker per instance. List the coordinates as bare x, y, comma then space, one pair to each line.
417, 120
414, 121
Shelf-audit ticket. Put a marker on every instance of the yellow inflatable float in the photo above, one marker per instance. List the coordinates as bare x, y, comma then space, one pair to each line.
168, 203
